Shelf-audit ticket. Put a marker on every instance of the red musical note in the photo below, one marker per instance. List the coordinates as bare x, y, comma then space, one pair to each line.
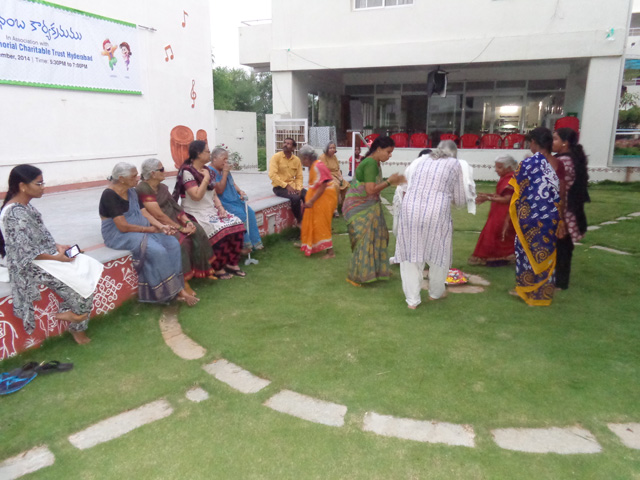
166, 49
193, 93
184, 21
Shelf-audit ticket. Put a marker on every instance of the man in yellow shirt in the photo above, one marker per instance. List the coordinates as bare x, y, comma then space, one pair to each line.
285, 172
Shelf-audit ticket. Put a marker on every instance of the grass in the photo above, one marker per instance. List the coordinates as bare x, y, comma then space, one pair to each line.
487, 360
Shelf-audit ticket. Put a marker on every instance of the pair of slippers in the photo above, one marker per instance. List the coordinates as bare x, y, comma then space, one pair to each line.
230, 272
16, 379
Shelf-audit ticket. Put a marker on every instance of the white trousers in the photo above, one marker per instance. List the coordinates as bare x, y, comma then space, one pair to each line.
411, 274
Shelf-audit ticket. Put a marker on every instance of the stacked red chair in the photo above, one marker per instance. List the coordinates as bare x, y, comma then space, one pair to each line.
449, 136
513, 140
490, 140
420, 140
469, 140
401, 140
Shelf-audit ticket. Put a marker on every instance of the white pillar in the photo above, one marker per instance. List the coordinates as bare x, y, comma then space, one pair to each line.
600, 111
290, 94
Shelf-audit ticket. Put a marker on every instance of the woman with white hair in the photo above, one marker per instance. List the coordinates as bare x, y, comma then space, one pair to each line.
319, 204
156, 254
495, 246
329, 158
197, 254
425, 229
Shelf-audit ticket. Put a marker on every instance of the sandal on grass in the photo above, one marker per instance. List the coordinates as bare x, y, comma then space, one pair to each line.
53, 366
223, 275
236, 272
14, 380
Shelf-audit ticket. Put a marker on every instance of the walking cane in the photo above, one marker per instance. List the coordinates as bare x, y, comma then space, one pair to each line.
249, 260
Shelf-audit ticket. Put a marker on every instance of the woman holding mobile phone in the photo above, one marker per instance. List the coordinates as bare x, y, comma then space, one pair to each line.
32, 253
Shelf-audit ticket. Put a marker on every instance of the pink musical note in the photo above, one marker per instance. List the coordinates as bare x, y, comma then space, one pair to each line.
193, 93
166, 52
184, 21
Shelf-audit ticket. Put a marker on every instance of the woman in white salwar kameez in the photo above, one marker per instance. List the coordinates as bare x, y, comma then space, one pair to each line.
425, 228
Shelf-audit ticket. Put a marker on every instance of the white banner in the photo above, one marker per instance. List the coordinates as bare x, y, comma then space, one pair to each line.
48, 45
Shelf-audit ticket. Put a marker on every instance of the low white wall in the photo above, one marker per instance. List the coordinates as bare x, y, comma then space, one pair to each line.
238, 131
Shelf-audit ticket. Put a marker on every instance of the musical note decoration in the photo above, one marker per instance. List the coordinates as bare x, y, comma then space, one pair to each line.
193, 93
166, 52
184, 18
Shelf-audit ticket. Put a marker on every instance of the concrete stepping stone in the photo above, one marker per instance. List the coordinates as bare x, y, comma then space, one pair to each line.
173, 336
419, 430
623, 218
120, 424
628, 433
565, 441
591, 228
26, 462
235, 376
634, 214
308, 408
610, 222
197, 394
478, 280
464, 289
610, 250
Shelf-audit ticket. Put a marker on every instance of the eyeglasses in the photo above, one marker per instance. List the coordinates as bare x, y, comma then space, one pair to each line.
39, 184
160, 169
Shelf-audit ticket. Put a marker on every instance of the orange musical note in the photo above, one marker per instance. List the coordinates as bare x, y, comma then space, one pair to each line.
166, 52
193, 93
184, 21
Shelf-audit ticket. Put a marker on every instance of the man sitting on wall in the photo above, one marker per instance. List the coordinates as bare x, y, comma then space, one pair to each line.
285, 172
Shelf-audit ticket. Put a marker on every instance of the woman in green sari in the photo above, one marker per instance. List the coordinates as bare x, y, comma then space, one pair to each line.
362, 209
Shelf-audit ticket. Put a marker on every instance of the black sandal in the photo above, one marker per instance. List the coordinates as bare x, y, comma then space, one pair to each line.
237, 273
53, 366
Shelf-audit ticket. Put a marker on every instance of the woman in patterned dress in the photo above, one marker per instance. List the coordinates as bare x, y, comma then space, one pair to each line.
425, 229
535, 214
362, 210
570, 153
196, 188
24, 238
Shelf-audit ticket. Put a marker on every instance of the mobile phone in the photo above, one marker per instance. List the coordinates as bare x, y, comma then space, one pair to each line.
72, 251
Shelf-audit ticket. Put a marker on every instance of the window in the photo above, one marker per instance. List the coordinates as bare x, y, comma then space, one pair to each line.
360, 4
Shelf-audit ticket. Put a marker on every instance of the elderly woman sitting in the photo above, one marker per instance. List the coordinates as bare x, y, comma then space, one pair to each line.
196, 188
425, 229
496, 245
331, 161
156, 254
320, 202
154, 195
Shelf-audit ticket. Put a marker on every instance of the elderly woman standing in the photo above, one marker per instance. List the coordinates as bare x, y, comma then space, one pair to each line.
320, 203
331, 161
196, 188
363, 212
156, 254
495, 246
154, 195
535, 214
425, 229
233, 199
34, 258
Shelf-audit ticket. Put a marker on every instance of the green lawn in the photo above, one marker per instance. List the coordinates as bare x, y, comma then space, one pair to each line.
487, 360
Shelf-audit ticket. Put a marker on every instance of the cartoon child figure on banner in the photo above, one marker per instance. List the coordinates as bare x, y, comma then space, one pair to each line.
108, 50
126, 53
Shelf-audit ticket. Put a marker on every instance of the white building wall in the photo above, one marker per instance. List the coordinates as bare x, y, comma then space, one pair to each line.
76, 136
238, 131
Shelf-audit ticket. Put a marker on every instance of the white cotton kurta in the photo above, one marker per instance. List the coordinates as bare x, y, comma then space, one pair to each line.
425, 228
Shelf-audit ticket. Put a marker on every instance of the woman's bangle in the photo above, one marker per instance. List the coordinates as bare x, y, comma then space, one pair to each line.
388, 183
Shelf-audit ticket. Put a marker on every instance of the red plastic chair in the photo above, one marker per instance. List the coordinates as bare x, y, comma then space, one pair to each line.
469, 140
420, 140
449, 136
401, 140
371, 138
490, 140
568, 122
513, 140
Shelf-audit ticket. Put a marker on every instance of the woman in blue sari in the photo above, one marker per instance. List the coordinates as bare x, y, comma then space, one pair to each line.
362, 210
535, 214
156, 254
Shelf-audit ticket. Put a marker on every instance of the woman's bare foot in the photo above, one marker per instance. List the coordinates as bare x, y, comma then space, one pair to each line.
188, 289
184, 296
80, 338
412, 307
330, 254
71, 317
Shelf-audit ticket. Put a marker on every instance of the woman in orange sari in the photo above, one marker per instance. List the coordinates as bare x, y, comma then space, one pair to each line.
319, 204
